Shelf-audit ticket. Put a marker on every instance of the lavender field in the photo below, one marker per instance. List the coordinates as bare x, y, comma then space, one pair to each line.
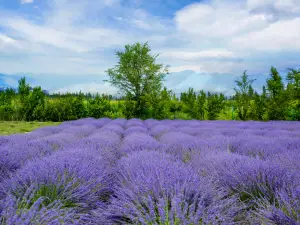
104, 171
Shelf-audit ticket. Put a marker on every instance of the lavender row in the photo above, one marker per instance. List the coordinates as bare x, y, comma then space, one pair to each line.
121, 171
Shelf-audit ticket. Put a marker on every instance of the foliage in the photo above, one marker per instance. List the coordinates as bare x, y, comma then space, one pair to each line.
277, 96
137, 74
244, 93
159, 104
23, 89
215, 103
98, 107
35, 99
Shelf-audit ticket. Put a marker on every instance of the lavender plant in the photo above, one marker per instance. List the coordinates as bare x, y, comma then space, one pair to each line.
76, 180
104, 171
154, 188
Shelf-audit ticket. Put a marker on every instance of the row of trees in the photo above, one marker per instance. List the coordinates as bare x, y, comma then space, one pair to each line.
277, 101
33, 104
140, 81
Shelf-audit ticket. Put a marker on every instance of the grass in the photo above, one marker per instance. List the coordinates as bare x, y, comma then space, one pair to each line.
13, 127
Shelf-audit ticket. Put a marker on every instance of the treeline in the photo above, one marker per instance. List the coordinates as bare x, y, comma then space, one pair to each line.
276, 102
140, 80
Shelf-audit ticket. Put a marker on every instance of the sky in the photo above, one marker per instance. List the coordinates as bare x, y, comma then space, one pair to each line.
67, 45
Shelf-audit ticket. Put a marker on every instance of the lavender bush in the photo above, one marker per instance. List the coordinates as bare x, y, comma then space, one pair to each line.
104, 171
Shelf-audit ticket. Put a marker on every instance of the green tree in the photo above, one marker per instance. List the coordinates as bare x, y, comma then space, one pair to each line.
99, 106
6, 108
129, 107
199, 107
293, 77
242, 95
78, 107
136, 74
35, 99
251, 92
276, 103
189, 99
160, 104
215, 104
23, 89
293, 90
259, 106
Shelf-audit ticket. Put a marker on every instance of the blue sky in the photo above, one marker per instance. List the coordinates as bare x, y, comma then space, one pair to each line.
67, 45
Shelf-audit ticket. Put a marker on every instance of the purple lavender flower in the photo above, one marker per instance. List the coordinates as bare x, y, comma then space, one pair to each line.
151, 122
138, 142
250, 179
39, 212
134, 122
154, 188
76, 179
135, 129
112, 127
285, 210
119, 121
14, 157
159, 129
79, 131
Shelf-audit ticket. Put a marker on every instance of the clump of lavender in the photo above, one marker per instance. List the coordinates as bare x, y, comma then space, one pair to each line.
138, 142
15, 156
75, 179
154, 188
250, 179
113, 127
134, 122
284, 210
134, 129
159, 129
32, 208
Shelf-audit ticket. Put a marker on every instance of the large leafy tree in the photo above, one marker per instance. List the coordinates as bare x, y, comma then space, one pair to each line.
242, 95
137, 74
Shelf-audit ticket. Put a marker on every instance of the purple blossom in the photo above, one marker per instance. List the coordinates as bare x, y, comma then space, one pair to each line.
286, 210
112, 127
104, 171
154, 188
135, 129
77, 179
158, 130
134, 122
139, 142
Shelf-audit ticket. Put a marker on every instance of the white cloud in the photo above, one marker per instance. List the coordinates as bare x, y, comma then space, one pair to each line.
7, 40
26, 1
190, 55
195, 68
206, 37
249, 25
288, 6
279, 36
212, 20
9, 45
88, 87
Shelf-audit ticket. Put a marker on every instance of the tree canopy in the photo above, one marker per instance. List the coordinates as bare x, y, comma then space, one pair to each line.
137, 73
